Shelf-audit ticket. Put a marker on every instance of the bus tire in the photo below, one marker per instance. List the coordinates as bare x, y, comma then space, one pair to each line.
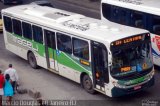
87, 84
32, 60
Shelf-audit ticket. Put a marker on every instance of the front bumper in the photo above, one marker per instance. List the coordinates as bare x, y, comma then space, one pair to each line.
120, 91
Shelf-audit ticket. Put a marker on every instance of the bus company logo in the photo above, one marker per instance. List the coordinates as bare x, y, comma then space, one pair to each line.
137, 2
75, 26
24, 43
156, 40
62, 14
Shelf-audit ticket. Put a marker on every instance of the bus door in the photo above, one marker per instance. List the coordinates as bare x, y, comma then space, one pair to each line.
50, 49
99, 65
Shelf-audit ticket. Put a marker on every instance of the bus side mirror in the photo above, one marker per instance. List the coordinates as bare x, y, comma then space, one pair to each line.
156, 29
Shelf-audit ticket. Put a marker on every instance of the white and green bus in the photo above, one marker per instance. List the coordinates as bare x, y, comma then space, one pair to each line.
102, 56
143, 14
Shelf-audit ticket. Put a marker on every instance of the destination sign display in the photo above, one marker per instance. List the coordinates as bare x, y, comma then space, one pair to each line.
127, 40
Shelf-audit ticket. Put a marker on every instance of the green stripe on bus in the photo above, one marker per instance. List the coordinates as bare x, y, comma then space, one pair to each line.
66, 60
37, 46
63, 58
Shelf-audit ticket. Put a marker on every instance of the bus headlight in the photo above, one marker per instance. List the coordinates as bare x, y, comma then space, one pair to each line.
117, 85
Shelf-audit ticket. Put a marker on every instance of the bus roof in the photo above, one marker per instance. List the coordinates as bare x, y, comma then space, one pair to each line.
148, 6
72, 23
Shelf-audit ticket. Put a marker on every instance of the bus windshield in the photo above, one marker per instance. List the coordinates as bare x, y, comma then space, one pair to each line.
130, 60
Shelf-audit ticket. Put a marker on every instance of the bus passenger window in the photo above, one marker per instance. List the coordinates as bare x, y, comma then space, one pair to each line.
50, 39
137, 20
122, 17
64, 43
37, 34
156, 25
8, 24
81, 48
106, 11
27, 30
17, 27
115, 14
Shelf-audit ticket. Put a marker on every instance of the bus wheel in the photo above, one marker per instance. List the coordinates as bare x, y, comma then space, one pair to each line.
32, 60
87, 84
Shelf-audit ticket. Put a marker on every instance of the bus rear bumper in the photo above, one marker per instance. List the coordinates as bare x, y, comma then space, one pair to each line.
116, 92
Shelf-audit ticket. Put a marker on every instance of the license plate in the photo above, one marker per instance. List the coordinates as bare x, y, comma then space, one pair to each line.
137, 87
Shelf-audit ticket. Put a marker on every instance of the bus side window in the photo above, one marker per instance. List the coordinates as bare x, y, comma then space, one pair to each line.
17, 27
115, 13
64, 43
50, 39
106, 11
156, 25
27, 30
37, 34
8, 24
137, 19
81, 48
123, 16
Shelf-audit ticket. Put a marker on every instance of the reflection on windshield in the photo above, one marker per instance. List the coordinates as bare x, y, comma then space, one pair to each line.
130, 60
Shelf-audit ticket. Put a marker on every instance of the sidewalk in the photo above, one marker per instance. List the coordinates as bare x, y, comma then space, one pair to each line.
95, 5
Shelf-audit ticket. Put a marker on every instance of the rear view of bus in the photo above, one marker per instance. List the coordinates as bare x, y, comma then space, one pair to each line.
132, 64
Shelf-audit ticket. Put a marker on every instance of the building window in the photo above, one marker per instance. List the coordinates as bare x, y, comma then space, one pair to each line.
8, 24
27, 30
17, 27
81, 48
37, 34
64, 43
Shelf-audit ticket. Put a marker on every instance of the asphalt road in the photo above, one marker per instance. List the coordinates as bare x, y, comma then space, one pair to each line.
53, 86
